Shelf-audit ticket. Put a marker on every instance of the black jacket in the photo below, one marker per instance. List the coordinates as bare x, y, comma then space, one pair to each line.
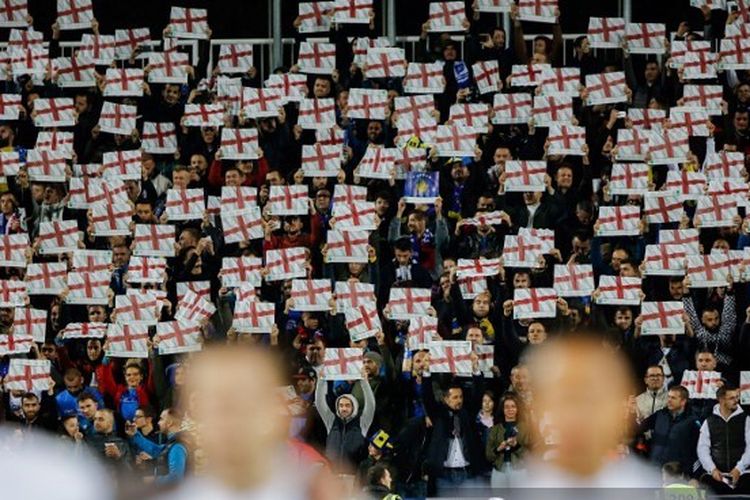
673, 439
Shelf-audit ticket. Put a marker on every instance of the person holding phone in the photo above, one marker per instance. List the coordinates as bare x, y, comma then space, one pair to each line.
507, 443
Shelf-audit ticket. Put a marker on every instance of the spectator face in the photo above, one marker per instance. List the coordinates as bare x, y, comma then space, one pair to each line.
140, 419
233, 178
474, 335
654, 379
454, 398
449, 53
624, 319
51, 195
618, 255
705, 361
710, 319
628, 270
459, 172
180, 179
179, 375
187, 239
103, 422
501, 156
273, 178
355, 269
374, 131
485, 204
488, 405
305, 385
49, 351
730, 401
521, 280
537, 333
371, 367
37, 192
481, 305
416, 224
73, 383
147, 165
165, 422
403, 257
315, 352
321, 88
342, 101
540, 45
581, 247
345, 408
532, 198
420, 361
293, 226
510, 410
741, 121
71, 426
651, 72
387, 480
743, 93
381, 206
133, 376
81, 103
6, 315
88, 408
585, 47
6, 136
498, 38
171, 94
199, 163
322, 200
268, 125
449, 265
144, 212
675, 290
7, 204
198, 265
120, 255
564, 178
93, 349
721, 245
30, 407
519, 377
675, 402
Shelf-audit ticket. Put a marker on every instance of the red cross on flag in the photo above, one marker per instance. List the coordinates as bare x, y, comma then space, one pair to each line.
28, 375
646, 38
424, 129
117, 118
194, 307
200, 288
317, 113
527, 75
408, 303
738, 262
342, 363
243, 225
25, 39
471, 286
13, 293
240, 144
311, 295
647, 118
47, 278
288, 200
159, 138
123, 165
367, 104
315, 17
361, 45
352, 294
352, 11
261, 103
574, 280
100, 48
619, 221
629, 179
415, 106
715, 210
472, 116
252, 316
385, 62
316, 58
708, 271
92, 261
123, 82
33, 61
680, 48
319, 160
707, 97
235, 58
203, 115
478, 267
560, 81
238, 198
408, 160
188, 23
538, 11
168, 67
632, 144
665, 259
347, 246
45, 166
10, 106
738, 29
734, 53
74, 14
662, 318
687, 237
744, 387
566, 139
185, 204
10, 162
486, 355
362, 321
552, 108
735, 187
13, 249
662, 207
606, 32
508, 109
293, 86
11, 343
74, 72
451, 357
176, 337
606, 88
686, 184
694, 121
14, 13
54, 112
711, 4
424, 78
494, 6
485, 219
54, 140
668, 146
127, 341
377, 163
522, 251
30, 322
455, 140
724, 165
446, 17
146, 269
237, 270
88, 288
618, 291
422, 332
128, 40
525, 176
701, 384
286, 263
229, 94
346, 194
487, 76
142, 308
531, 303
245, 292
58, 236
154, 240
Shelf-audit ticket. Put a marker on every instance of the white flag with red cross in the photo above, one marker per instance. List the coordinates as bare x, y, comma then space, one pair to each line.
168, 67
707, 97
154, 240
10, 162
508, 109
123, 165
101, 48
566, 139
446, 17
46, 278
646, 38
362, 321
385, 62
733, 187
734, 53
240, 144
159, 138
745, 387
455, 140
342, 363
13, 249
55, 140
30, 322
146, 269
618, 291
12, 343
716, 210
494, 6
688, 185
242, 225
413, 106
472, 116
574, 280
532, 303
551, 109
344, 194
252, 316
293, 86
350, 294
494, 218
32, 61
606, 32
317, 113
486, 358
687, 237
13, 293
330, 137
377, 163
560, 81
314, 17
317, 58
188, 23
88, 288
629, 179
229, 94
238, 198
471, 286
708, 271
665, 259
606, 88
176, 337
185, 204
352, 11
311, 295
619, 221
699, 65
367, 104
286, 263
527, 75
522, 251
74, 14
678, 49
422, 332
92, 261
632, 144
143, 308
408, 303
410, 160
200, 288
738, 29
288, 200
203, 115
74, 72
235, 58
54, 112
14, 13
347, 246
662, 318
261, 103
319, 160
25, 39
46, 166
701, 384
711, 4
424, 78
10, 106
28, 375
487, 76
454, 357
724, 165
194, 307
525, 176
424, 129
58, 236
246, 292
538, 11
694, 121
668, 146
662, 207
237, 270
361, 45
117, 118
127, 41
127, 341
478, 267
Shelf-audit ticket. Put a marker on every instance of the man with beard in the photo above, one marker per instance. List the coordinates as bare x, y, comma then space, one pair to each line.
539, 211
426, 247
715, 331
165, 106
481, 240
459, 188
67, 400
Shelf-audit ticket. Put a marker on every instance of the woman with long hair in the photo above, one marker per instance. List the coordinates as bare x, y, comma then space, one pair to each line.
507, 443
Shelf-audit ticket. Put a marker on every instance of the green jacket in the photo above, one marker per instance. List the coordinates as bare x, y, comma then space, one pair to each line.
517, 453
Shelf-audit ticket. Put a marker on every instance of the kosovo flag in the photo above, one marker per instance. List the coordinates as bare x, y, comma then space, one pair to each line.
421, 187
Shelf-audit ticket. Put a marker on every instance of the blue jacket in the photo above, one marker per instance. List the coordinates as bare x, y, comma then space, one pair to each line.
673, 439
67, 403
176, 458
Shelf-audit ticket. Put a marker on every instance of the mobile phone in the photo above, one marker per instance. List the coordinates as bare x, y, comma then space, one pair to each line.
622, 114
732, 6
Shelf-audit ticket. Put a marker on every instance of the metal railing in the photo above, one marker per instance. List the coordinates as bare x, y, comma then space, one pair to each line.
67, 49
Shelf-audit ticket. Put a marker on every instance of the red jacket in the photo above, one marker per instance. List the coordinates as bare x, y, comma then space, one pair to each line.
109, 387
215, 176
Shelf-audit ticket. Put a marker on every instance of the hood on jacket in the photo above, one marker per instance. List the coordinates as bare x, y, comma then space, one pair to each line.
718, 412
355, 407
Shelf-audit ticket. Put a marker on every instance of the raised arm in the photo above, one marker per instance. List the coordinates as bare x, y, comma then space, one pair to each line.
368, 412
321, 394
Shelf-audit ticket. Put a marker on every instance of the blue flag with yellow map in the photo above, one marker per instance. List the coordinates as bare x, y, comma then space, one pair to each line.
422, 187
